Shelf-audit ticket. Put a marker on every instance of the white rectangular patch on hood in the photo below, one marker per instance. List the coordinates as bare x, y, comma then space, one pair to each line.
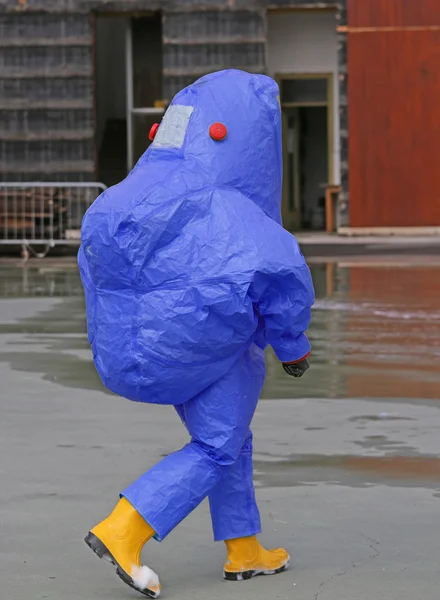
172, 130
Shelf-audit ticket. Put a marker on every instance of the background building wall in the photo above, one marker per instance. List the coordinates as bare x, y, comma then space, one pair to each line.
394, 112
47, 88
197, 42
306, 42
46, 95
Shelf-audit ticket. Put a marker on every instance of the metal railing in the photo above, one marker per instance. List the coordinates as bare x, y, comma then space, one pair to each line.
44, 213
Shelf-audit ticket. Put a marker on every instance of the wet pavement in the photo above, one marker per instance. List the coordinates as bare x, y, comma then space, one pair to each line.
347, 463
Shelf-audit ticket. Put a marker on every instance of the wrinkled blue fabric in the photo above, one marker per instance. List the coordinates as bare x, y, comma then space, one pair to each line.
188, 276
185, 263
217, 462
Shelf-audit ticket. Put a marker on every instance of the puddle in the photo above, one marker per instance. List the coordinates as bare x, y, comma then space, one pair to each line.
379, 417
354, 471
40, 280
375, 332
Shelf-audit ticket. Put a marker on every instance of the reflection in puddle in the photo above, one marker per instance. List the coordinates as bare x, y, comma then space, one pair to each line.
349, 470
379, 417
41, 280
375, 332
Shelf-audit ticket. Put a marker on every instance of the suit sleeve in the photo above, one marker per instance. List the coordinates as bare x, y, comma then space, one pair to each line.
285, 307
281, 287
283, 293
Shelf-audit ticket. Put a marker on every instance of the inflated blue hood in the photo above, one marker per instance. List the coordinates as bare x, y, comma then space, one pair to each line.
249, 159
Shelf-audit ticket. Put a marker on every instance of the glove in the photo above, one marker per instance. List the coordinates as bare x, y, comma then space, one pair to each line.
296, 369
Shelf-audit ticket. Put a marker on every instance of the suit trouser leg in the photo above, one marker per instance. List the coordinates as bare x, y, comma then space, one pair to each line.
218, 421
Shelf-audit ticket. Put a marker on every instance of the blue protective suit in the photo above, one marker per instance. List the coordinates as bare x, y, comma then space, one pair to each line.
188, 275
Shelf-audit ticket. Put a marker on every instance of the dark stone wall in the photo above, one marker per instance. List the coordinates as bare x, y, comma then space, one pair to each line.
148, 5
46, 88
47, 126
196, 43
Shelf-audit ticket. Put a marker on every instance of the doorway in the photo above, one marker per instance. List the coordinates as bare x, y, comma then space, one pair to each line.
307, 111
128, 82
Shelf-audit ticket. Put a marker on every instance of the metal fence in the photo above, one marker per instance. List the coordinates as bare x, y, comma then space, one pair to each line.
45, 213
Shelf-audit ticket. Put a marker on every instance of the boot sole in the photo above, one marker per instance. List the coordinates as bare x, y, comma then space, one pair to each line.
101, 551
245, 575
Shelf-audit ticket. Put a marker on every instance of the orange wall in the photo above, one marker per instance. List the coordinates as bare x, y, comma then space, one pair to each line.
374, 13
394, 113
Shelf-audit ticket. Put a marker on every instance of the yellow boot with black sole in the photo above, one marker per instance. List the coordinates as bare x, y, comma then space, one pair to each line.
119, 539
247, 559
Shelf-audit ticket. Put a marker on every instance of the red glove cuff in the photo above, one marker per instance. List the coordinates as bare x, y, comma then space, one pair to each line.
295, 362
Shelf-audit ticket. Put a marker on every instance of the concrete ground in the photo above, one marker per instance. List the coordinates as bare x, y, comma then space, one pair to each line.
347, 463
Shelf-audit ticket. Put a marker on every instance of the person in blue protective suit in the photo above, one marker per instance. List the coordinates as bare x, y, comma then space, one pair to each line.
188, 276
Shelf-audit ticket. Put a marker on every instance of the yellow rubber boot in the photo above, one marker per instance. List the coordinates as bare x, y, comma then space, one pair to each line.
120, 539
247, 559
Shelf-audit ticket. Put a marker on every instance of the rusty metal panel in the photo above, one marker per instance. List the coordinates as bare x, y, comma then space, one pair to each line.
394, 125
382, 13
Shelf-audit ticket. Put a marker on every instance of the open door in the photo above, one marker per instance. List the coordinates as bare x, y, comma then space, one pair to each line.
307, 113
291, 210
128, 87
145, 105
